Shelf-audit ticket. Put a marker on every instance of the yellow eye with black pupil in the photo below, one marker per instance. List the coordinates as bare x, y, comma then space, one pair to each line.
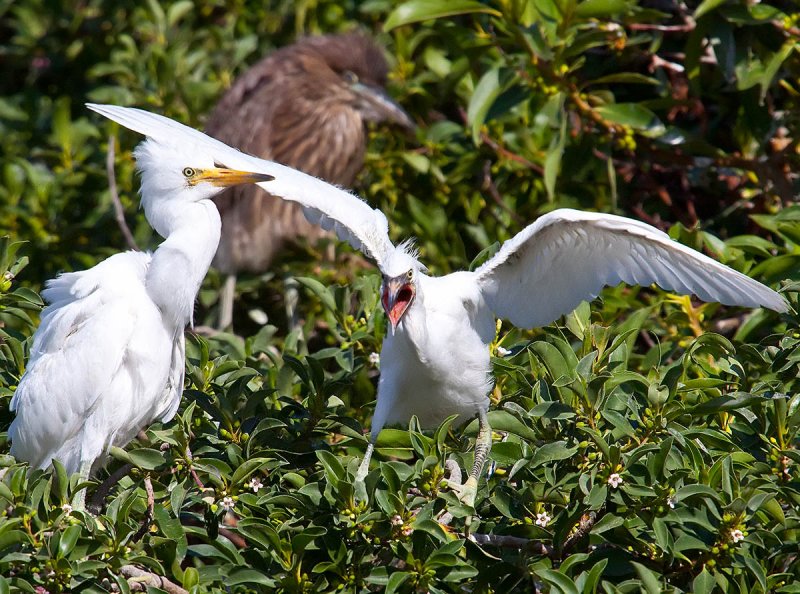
410, 274
188, 172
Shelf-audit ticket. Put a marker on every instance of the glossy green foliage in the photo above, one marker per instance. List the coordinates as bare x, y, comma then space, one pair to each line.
645, 442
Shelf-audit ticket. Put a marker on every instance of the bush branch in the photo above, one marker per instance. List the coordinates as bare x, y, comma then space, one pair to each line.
119, 213
139, 580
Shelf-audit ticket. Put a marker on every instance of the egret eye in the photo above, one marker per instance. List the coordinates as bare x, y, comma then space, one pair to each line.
410, 274
350, 77
189, 172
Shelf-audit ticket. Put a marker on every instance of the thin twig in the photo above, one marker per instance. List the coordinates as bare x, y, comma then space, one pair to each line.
119, 213
511, 156
151, 505
658, 62
587, 522
503, 541
491, 188
689, 25
139, 580
190, 459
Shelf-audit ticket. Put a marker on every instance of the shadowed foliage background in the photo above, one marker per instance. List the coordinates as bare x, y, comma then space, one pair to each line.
684, 115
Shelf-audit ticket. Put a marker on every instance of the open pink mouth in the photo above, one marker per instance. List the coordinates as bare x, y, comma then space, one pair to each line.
400, 305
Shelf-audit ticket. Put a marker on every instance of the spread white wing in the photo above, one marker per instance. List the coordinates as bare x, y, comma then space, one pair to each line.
568, 256
334, 209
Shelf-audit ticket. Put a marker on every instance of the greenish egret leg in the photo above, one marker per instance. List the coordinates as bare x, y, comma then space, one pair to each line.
467, 491
79, 499
363, 468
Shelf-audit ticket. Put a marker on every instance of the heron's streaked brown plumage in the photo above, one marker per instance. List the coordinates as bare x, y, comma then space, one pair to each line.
305, 106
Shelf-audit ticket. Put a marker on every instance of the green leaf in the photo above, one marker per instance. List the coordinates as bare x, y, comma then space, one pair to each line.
704, 583
67, 541
397, 579
552, 161
551, 452
634, 115
320, 291
593, 578
756, 569
243, 575
146, 458
650, 580
694, 490
13, 537
727, 403
247, 468
415, 11
174, 14
707, 6
662, 534
559, 583
191, 578
502, 420
486, 91
333, 467
601, 8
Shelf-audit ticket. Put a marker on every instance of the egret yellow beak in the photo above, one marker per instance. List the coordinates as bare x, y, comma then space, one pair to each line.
224, 178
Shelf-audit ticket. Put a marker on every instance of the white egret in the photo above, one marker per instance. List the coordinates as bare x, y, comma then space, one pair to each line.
108, 356
435, 360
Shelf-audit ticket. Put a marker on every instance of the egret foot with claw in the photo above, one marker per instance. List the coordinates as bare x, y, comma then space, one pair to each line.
466, 492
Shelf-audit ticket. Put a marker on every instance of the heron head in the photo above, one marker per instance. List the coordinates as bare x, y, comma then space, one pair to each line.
357, 68
374, 103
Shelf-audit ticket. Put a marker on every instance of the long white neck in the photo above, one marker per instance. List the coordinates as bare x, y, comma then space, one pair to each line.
179, 265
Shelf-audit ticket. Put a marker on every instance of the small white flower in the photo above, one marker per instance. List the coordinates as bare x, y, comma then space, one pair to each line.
66, 508
374, 359
255, 484
615, 480
671, 503
227, 503
737, 536
501, 352
396, 520
542, 519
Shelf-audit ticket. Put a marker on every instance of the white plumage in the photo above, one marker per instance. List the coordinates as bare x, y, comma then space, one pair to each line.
435, 361
108, 356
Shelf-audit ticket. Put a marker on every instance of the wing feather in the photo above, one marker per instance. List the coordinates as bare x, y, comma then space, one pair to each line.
171, 398
352, 219
88, 325
568, 256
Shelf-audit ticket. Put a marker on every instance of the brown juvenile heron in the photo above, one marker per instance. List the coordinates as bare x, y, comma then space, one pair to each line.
305, 106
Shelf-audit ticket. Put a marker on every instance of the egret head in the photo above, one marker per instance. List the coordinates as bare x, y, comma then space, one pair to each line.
399, 288
185, 173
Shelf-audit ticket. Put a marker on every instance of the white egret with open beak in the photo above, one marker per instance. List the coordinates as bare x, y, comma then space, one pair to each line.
435, 360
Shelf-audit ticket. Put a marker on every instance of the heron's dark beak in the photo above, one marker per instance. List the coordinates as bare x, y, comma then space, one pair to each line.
224, 178
376, 106
398, 294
